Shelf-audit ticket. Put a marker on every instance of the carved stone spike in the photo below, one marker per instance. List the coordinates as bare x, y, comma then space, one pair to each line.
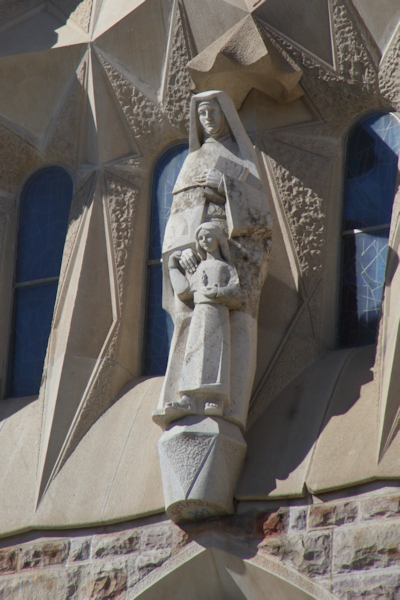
243, 59
201, 459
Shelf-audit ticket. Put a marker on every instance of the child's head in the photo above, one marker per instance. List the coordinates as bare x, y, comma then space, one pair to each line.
208, 237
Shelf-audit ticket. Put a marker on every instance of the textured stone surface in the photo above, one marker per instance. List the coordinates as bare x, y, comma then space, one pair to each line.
324, 515
177, 96
376, 508
303, 205
143, 115
201, 458
124, 544
43, 554
80, 549
336, 545
310, 554
78, 10
8, 560
366, 548
384, 585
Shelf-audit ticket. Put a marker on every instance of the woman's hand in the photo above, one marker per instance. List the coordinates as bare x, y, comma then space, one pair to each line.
211, 178
210, 291
188, 260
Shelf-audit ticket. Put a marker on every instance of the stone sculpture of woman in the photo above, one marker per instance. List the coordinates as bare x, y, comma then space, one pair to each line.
214, 289
218, 184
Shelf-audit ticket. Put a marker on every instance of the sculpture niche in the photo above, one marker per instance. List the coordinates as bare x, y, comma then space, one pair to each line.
215, 258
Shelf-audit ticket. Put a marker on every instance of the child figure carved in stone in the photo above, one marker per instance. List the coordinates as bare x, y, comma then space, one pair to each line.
214, 289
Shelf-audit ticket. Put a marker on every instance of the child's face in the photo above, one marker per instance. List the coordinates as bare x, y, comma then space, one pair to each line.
207, 240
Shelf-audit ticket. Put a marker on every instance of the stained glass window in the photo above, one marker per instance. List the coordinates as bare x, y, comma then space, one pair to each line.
371, 170
159, 326
44, 212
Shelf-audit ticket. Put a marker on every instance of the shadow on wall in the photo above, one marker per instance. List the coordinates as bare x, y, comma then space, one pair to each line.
38, 31
281, 439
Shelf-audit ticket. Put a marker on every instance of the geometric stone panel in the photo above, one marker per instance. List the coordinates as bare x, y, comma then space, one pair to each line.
381, 19
186, 455
139, 41
261, 113
243, 59
79, 11
305, 22
210, 19
32, 109
114, 138
82, 322
201, 459
109, 12
388, 351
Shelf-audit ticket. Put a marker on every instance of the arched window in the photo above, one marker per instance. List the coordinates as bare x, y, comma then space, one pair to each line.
371, 169
159, 326
43, 222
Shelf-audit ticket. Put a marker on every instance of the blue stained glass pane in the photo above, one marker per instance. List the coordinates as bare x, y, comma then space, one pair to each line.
363, 275
372, 156
33, 313
165, 175
159, 326
44, 214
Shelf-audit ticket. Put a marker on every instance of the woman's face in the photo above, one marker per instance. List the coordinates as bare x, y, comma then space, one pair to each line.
212, 118
207, 240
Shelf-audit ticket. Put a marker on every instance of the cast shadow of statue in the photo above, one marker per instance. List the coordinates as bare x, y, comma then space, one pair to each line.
287, 430
289, 427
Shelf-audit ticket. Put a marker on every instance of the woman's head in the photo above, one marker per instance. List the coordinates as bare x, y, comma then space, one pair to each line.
221, 113
212, 118
208, 238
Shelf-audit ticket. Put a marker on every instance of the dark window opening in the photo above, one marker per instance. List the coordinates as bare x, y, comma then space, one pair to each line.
43, 223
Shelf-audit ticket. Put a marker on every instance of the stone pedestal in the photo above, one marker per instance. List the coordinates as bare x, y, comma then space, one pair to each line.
201, 459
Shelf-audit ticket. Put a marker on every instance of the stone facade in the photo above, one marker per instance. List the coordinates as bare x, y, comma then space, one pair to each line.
103, 89
350, 547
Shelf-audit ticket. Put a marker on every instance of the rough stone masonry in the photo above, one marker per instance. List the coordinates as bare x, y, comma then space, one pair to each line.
350, 547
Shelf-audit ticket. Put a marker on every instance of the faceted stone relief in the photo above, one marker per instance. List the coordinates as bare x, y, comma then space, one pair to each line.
93, 122
150, 120
79, 11
106, 372
215, 257
178, 82
388, 348
62, 139
303, 204
389, 83
32, 121
294, 22
143, 115
324, 86
242, 59
381, 21
123, 200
